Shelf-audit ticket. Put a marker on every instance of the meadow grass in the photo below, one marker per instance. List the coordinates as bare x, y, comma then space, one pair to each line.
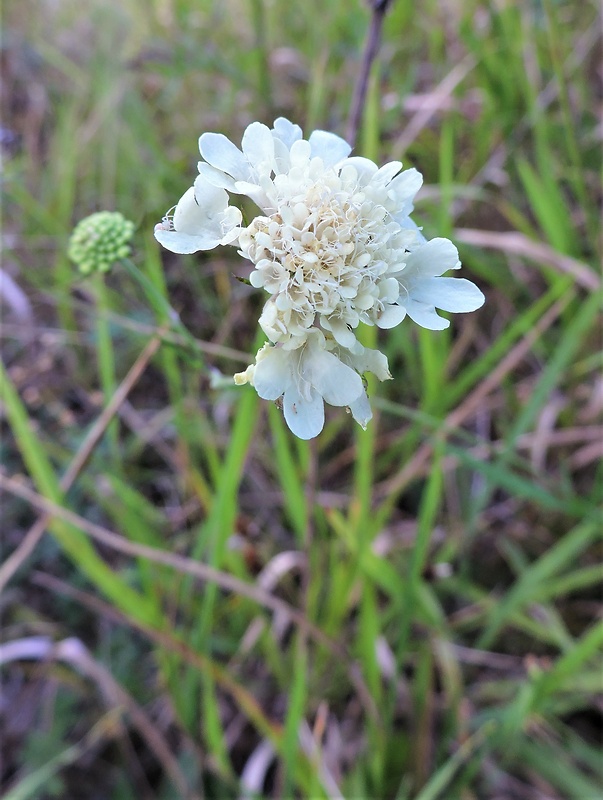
197, 604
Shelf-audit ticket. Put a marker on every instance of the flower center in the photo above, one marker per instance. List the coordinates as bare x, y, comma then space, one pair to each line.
324, 251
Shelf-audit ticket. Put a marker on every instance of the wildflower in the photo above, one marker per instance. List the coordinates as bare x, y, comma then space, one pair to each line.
333, 246
99, 240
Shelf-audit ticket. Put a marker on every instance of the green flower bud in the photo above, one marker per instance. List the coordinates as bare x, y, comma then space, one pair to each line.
98, 241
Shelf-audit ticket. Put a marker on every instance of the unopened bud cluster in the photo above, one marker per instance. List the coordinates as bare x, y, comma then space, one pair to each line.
98, 241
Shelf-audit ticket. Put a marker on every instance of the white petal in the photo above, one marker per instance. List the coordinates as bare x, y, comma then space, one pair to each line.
269, 322
222, 154
256, 279
404, 221
211, 202
363, 166
282, 157
387, 172
286, 131
201, 220
230, 224
258, 145
361, 410
216, 177
390, 317
431, 259
300, 153
449, 294
203, 211
339, 384
186, 242
305, 418
272, 374
389, 289
188, 217
343, 335
425, 316
372, 361
405, 186
255, 193
329, 147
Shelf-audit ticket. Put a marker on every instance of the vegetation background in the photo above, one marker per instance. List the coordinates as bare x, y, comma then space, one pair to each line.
197, 605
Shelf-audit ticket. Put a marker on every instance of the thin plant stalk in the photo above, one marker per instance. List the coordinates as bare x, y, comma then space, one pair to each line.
371, 49
106, 360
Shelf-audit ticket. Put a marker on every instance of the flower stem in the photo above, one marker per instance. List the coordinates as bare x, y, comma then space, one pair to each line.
106, 359
262, 50
371, 48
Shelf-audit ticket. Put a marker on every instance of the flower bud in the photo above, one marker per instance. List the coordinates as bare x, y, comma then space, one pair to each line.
98, 241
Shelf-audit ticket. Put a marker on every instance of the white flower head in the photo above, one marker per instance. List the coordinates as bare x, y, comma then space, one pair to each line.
333, 246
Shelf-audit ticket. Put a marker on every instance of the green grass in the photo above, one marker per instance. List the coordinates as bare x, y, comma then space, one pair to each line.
444, 565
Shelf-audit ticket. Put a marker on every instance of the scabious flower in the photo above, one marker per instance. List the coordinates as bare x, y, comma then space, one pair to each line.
333, 246
99, 240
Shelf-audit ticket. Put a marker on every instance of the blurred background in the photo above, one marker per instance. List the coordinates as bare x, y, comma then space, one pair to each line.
407, 612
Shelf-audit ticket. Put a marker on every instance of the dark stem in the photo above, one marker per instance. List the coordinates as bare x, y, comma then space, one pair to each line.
371, 48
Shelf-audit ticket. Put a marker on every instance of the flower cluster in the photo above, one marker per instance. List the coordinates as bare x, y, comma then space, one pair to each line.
98, 241
333, 246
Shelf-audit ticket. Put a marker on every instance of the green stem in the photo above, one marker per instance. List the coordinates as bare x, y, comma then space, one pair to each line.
261, 52
106, 361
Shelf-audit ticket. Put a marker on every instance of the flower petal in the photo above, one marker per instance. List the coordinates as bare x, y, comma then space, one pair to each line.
210, 201
403, 189
409, 224
339, 384
300, 153
188, 217
367, 360
222, 154
231, 225
305, 417
253, 192
361, 410
342, 333
449, 294
286, 131
202, 219
329, 147
430, 260
185, 242
363, 166
390, 316
258, 147
387, 172
425, 316
216, 177
272, 374
282, 157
